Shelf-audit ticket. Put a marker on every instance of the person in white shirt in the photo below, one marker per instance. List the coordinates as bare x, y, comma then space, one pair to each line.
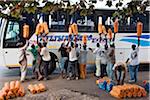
120, 70
46, 59
73, 63
83, 61
98, 59
103, 55
134, 64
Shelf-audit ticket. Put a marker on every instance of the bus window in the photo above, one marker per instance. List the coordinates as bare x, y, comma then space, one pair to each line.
58, 21
86, 23
12, 36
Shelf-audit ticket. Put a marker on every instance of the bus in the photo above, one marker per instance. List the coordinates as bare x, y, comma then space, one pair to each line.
11, 35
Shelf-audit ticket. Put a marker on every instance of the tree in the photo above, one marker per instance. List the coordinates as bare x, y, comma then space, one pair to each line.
15, 8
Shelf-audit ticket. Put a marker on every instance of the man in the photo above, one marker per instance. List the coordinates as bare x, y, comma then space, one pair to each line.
46, 59
98, 59
120, 72
73, 63
82, 61
23, 61
111, 60
103, 55
64, 59
134, 63
34, 52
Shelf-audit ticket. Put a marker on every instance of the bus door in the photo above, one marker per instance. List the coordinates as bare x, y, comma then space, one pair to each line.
11, 41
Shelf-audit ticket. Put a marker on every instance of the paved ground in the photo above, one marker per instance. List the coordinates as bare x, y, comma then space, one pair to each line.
61, 89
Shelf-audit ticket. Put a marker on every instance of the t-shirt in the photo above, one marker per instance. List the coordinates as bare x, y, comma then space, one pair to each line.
97, 53
34, 52
83, 57
134, 57
45, 54
120, 64
63, 51
73, 55
103, 56
111, 55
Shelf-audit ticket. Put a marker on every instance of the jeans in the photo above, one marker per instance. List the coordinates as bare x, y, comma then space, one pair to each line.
109, 70
73, 69
103, 70
133, 70
97, 62
63, 61
120, 76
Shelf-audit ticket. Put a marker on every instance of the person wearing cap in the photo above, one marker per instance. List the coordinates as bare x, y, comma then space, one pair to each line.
120, 70
111, 60
134, 63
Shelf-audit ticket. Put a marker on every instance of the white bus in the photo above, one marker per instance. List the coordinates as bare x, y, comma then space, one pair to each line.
11, 36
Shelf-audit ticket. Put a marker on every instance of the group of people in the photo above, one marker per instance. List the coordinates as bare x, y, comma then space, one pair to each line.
40, 54
73, 61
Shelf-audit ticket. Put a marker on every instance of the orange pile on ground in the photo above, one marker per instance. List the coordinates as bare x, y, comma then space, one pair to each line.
36, 88
128, 90
11, 90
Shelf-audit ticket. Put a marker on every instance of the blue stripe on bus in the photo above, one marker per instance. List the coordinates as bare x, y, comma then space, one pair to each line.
142, 42
142, 36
